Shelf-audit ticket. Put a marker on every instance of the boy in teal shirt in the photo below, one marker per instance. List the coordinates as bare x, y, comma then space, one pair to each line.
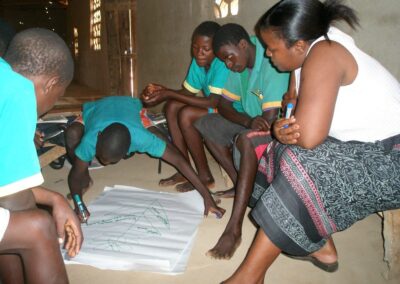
258, 89
111, 129
37, 69
207, 74
251, 99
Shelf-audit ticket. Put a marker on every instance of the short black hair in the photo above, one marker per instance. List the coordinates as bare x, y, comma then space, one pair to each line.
113, 142
38, 51
229, 34
7, 32
207, 28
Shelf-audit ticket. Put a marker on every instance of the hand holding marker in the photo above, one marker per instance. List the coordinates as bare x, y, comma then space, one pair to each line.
289, 109
80, 207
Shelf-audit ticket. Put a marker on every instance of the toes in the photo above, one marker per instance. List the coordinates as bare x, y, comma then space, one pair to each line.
216, 255
172, 180
225, 194
184, 187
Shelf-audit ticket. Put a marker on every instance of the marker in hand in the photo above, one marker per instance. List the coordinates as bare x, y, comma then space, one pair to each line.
80, 207
289, 109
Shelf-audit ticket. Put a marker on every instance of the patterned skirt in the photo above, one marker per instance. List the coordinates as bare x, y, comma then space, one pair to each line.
302, 196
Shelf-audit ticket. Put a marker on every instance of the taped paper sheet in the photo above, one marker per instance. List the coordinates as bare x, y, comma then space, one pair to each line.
136, 229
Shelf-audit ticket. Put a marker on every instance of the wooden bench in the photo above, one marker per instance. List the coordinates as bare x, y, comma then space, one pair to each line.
54, 153
391, 236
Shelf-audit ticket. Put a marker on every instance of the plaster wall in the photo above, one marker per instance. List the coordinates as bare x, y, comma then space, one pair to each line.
164, 29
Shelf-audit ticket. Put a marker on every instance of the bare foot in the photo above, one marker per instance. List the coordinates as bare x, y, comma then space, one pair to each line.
172, 180
226, 246
187, 186
230, 193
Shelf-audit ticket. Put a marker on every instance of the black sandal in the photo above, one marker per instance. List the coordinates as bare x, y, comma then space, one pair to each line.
328, 267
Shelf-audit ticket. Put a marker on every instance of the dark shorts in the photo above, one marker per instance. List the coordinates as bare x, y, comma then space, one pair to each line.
217, 129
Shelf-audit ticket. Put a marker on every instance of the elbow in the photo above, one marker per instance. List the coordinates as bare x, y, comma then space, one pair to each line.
310, 144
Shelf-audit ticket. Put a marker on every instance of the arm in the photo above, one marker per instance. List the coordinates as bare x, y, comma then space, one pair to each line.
290, 96
327, 67
262, 123
79, 180
155, 94
201, 102
65, 218
175, 158
227, 110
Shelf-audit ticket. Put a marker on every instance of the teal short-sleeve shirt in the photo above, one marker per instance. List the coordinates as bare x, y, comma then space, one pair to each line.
257, 90
209, 81
19, 166
121, 109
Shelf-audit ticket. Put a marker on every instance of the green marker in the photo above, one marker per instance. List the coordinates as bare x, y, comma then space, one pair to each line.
81, 208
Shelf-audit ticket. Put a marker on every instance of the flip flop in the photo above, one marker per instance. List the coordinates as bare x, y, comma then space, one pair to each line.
328, 267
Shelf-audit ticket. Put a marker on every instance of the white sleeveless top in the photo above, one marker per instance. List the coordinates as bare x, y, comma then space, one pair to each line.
368, 109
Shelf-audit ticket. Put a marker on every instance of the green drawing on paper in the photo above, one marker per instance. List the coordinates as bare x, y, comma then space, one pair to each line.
126, 229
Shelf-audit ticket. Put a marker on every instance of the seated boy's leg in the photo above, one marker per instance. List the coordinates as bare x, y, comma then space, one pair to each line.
187, 117
31, 234
11, 269
224, 154
172, 109
218, 134
231, 237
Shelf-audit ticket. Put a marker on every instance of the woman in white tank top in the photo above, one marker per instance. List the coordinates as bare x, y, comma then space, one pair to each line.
336, 160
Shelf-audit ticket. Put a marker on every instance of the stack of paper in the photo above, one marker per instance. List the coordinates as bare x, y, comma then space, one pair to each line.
136, 229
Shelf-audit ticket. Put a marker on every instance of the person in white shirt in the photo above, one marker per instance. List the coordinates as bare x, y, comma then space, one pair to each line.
337, 159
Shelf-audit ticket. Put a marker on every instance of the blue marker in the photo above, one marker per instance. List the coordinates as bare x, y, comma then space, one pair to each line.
80, 207
289, 109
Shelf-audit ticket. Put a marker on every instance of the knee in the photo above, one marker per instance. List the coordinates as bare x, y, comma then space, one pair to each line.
172, 107
243, 142
73, 134
185, 118
41, 227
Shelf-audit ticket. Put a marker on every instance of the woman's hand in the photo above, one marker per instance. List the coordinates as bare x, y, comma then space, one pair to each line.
286, 131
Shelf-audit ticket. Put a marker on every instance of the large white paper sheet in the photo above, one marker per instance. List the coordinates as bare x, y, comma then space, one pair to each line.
136, 229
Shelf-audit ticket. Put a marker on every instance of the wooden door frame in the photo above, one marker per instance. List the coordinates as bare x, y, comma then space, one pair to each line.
117, 5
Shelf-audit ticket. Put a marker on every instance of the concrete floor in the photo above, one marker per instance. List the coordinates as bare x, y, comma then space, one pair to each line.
360, 248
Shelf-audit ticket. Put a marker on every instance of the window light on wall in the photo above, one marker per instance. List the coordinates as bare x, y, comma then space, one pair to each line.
76, 46
224, 8
95, 24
